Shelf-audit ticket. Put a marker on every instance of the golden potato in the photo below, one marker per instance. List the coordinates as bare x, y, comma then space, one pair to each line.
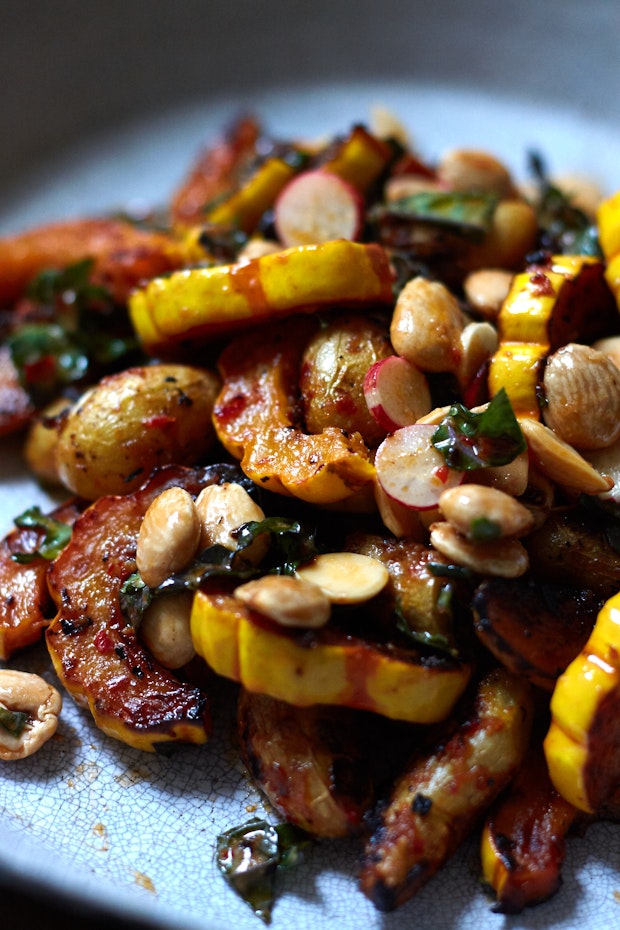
334, 366
132, 422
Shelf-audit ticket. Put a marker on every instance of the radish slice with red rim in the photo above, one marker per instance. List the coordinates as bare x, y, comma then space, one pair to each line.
410, 469
396, 392
318, 206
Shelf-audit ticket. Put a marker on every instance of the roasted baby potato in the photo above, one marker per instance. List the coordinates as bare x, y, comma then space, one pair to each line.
132, 422
333, 368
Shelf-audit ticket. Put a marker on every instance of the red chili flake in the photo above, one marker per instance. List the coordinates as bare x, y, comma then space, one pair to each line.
40, 371
103, 643
540, 285
159, 421
442, 473
231, 410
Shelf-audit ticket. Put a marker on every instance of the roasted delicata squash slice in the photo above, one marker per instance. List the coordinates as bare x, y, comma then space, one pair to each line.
96, 652
256, 418
582, 745
548, 306
325, 666
26, 607
523, 843
199, 303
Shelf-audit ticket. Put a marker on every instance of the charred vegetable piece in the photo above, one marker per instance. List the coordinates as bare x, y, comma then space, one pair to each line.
256, 418
308, 761
95, 650
440, 796
534, 629
523, 842
322, 667
578, 548
123, 255
26, 607
566, 300
582, 746
200, 303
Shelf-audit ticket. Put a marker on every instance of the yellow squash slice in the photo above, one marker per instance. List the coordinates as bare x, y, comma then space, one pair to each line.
547, 307
608, 219
582, 745
199, 303
322, 667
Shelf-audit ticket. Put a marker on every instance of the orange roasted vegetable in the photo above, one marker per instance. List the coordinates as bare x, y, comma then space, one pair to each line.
608, 220
524, 838
360, 159
26, 607
548, 306
257, 420
327, 666
582, 745
123, 255
95, 650
199, 303
440, 797
309, 762
535, 629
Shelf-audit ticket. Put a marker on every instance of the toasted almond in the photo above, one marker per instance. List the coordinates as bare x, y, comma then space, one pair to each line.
561, 462
346, 577
504, 558
288, 601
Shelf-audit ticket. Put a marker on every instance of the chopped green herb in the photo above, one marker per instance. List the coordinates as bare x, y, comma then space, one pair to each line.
291, 542
467, 214
135, 597
469, 440
565, 228
484, 530
56, 537
13, 721
250, 855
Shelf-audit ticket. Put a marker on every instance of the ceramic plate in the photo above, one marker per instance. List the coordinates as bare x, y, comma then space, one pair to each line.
97, 821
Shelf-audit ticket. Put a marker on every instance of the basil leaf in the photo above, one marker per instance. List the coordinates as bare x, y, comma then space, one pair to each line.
13, 721
56, 537
469, 440
248, 856
468, 213
565, 228
134, 597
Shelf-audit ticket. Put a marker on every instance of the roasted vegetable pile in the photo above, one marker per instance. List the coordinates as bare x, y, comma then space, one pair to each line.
341, 425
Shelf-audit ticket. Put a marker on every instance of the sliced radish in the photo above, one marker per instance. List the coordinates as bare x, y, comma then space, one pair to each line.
318, 206
410, 469
396, 393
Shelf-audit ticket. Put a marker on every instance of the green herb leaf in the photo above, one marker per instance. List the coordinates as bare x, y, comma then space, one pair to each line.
248, 856
134, 597
291, 542
565, 228
71, 283
469, 214
13, 721
56, 537
470, 440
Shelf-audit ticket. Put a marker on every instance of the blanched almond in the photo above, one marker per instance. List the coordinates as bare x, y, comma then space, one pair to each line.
345, 577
